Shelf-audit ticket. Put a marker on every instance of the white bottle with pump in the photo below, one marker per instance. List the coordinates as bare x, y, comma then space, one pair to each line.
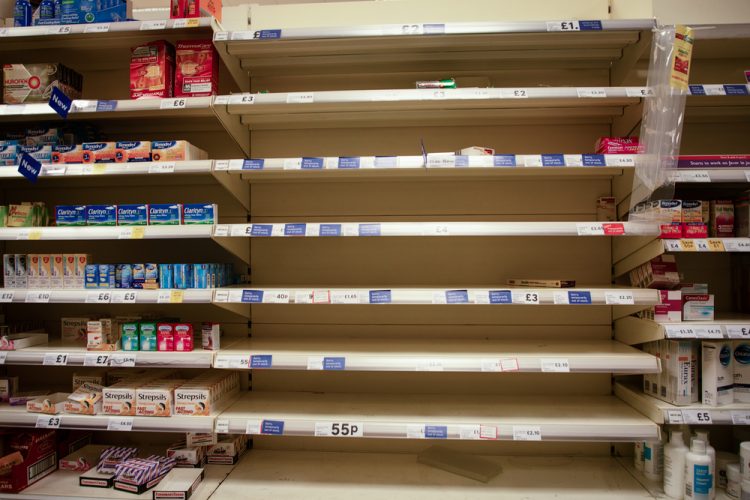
698, 480
674, 466
653, 460
711, 452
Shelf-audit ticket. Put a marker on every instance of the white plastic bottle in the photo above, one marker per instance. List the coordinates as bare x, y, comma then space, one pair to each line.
734, 481
698, 480
674, 465
653, 460
638, 456
745, 493
711, 452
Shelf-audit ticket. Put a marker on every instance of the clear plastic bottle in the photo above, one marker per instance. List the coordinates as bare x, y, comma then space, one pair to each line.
674, 465
711, 452
698, 480
653, 460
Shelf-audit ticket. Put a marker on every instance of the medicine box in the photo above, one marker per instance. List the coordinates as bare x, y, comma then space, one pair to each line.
196, 69
717, 377
152, 70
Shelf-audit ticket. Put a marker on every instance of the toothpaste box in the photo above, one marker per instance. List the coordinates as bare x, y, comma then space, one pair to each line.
101, 215
62, 153
70, 215
176, 151
21, 266
199, 213
57, 272
697, 307
9, 270
45, 270
196, 68
132, 151
718, 373
92, 276
9, 154
164, 214
741, 371
152, 70
132, 215
98, 152
41, 153
36, 136
32, 274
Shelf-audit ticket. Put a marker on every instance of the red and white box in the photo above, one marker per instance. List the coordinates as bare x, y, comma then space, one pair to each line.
617, 145
670, 309
152, 70
31, 456
196, 68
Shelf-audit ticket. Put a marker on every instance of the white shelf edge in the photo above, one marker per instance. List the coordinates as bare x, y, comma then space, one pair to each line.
93, 29
143, 359
92, 107
61, 170
111, 295
707, 245
106, 232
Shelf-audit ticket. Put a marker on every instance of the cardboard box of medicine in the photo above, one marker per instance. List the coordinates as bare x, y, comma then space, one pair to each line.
20, 215
9, 154
164, 214
56, 275
717, 378
187, 456
32, 274
742, 216
8, 387
101, 215
9, 270
45, 270
73, 329
132, 215
96, 376
36, 136
25, 83
132, 151
606, 209
741, 371
41, 152
199, 213
152, 70
697, 307
721, 223
31, 456
85, 400
157, 399
74, 266
21, 266
92, 276
51, 404
119, 399
88, 11
176, 151
62, 153
98, 152
679, 377
617, 145
196, 69
195, 8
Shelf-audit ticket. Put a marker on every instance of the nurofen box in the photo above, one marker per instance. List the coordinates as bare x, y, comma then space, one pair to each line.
63, 153
56, 275
101, 215
199, 213
152, 70
176, 151
132, 215
717, 377
132, 151
24, 83
70, 215
196, 68
721, 222
164, 214
741, 371
119, 399
45, 270
32, 272
98, 152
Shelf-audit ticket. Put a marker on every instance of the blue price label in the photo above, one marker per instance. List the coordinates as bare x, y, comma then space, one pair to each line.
261, 230
29, 167
578, 297
461, 161
261, 361
736, 89
349, 162
433, 29
555, 160
504, 161
594, 161
697, 90
501, 297
330, 229
436, 431
103, 106
334, 363
60, 102
252, 296
380, 296
590, 25
369, 229
312, 163
457, 296
274, 427
267, 34
253, 164
294, 229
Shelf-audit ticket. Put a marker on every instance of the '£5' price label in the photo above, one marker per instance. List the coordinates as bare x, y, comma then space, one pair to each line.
697, 417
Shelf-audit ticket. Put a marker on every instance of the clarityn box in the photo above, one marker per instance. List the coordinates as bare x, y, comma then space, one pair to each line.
164, 214
98, 152
132, 215
62, 153
199, 213
718, 373
70, 215
176, 151
196, 68
741, 371
132, 151
101, 215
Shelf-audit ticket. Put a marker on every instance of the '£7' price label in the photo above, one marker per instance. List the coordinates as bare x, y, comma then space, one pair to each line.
95, 359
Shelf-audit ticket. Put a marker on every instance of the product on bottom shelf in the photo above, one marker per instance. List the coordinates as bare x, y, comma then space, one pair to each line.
82, 459
29, 83
228, 450
187, 456
28, 455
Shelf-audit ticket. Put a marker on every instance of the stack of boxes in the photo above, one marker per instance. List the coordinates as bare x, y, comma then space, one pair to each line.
140, 214
49, 271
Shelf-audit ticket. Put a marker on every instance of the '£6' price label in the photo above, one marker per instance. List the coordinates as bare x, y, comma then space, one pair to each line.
178, 103
98, 297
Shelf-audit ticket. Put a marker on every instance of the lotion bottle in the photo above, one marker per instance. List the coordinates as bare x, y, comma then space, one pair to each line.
698, 480
674, 466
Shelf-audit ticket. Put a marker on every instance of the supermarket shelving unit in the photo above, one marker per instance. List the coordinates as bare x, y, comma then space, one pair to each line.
429, 362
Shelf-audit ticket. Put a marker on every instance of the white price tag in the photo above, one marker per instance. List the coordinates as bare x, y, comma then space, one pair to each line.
555, 365
186, 23
161, 167
560, 298
164, 296
697, 417
514, 93
619, 298
120, 424
3, 357
283, 297
702, 245
7, 295
339, 429
487, 432
530, 297
694, 176
300, 97
741, 417
591, 92
491, 365
221, 296
59, 30
439, 230
470, 432
178, 103
242, 99
563, 26
153, 25
430, 365
238, 362
344, 297
714, 90
221, 230
221, 36
253, 427
98, 297
590, 229
48, 422
132, 233
415, 431
412, 29
672, 245
221, 165
122, 360
123, 297
315, 362
737, 244
222, 426
221, 99
39, 297
638, 92
738, 331
95, 359
97, 28
674, 417
509, 365
527, 433
678, 331
708, 332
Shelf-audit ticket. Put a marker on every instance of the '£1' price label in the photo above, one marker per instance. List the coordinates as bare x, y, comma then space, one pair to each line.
55, 359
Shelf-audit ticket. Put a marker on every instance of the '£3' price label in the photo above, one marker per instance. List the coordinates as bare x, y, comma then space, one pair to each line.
48, 422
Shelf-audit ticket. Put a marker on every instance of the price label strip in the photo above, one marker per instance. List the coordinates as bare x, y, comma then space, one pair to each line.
339, 429
120, 424
55, 359
555, 365
48, 422
95, 359
697, 417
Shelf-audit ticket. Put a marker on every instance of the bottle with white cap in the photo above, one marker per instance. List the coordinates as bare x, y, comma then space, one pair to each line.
745, 459
745, 493
711, 452
698, 480
653, 460
734, 480
674, 465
